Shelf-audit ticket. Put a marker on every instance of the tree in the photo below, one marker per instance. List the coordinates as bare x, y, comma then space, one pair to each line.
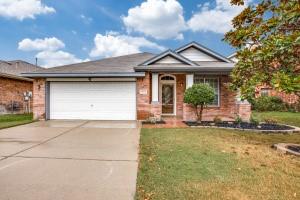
199, 95
267, 38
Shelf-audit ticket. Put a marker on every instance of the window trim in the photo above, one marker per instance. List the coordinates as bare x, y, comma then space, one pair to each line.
218, 84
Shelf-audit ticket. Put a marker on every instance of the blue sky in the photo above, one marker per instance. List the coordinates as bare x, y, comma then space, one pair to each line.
61, 32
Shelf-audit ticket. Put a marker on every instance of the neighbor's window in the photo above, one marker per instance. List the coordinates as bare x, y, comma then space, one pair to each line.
264, 92
213, 82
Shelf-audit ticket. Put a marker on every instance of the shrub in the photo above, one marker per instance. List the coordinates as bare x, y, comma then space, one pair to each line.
254, 121
199, 95
217, 120
270, 121
269, 103
238, 119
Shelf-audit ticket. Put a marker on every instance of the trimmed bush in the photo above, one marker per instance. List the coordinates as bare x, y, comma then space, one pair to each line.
199, 96
269, 103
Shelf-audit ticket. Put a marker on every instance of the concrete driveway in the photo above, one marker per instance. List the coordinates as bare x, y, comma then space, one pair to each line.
69, 160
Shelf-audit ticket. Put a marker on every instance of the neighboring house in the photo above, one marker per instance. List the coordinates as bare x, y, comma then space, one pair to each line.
136, 86
265, 90
13, 86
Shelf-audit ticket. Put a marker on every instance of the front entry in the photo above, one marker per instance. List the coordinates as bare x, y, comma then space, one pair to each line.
168, 97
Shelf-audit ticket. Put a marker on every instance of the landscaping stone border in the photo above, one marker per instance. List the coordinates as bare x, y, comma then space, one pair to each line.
283, 147
294, 130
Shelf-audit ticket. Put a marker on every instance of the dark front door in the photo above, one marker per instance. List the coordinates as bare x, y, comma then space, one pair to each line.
167, 99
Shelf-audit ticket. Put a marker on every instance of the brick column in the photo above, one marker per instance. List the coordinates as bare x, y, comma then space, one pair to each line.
243, 110
39, 99
156, 110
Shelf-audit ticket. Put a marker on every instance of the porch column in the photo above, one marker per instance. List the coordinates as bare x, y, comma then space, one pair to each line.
189, 80
154, 87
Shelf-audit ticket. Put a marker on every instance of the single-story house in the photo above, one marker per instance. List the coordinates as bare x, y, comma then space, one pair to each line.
13, 86
267, 90
136, 87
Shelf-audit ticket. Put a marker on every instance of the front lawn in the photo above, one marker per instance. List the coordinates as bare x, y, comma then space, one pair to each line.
281, 117
11, 120
216, 164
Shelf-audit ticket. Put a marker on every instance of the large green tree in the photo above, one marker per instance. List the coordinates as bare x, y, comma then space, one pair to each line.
267, 38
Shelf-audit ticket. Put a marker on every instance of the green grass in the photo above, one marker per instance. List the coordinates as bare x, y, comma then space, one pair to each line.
281, 117
215, 164
11, 120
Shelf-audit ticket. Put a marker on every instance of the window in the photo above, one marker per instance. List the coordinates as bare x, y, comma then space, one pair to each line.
167, 78
264, 92
213, 82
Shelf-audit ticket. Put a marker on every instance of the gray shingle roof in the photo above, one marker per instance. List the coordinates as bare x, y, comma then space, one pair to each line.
119, 64
16, 67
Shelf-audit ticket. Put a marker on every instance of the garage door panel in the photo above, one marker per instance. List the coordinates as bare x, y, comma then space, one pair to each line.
93, 100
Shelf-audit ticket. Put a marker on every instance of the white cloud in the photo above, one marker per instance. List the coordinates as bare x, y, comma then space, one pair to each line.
48, 44
161, 19
49, 52
56, 58
21, 9
114, 44
85, 19
217, 19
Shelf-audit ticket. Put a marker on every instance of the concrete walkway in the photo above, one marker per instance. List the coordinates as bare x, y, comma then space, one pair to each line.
69, 160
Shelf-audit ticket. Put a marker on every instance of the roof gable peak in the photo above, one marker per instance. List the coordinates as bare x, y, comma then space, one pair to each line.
203, 49
166, 53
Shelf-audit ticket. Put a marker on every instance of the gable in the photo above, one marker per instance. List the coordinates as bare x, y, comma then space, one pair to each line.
196, 55
168, 60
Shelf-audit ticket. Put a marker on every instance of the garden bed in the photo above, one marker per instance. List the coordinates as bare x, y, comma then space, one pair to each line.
154, 122
243, 126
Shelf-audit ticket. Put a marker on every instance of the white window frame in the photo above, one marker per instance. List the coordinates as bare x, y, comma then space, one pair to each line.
218, 84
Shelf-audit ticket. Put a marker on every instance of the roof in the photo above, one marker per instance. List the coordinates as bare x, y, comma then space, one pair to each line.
203, 67
204, 49
114, 66
14, 69
135, 65
168, 53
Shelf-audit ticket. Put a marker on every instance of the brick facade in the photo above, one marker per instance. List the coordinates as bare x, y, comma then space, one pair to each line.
228, 110
12, 90
39, 99
287, 98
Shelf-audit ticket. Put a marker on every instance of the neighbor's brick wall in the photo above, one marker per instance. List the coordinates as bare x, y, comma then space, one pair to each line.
287, 98
13, 90
39, 99
227, 110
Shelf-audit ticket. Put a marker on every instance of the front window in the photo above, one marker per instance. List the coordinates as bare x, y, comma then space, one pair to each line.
264, 92
213, 82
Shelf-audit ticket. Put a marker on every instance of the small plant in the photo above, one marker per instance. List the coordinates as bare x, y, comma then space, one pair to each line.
270, 121
217, 120
238, 119
199, 96
254, 121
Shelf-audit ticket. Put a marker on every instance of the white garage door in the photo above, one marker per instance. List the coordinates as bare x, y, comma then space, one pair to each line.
93, 100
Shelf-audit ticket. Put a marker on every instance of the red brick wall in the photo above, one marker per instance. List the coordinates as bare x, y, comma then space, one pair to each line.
180, 88
287, 98
39, 99
13, 90
227, 110
143, 97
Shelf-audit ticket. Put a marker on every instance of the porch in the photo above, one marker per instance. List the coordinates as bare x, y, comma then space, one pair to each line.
165, 98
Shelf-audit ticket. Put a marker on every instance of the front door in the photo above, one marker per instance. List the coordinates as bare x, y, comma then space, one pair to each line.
167, 98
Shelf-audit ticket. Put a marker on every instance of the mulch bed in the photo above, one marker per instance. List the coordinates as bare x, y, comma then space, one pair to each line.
243, 125
156, 122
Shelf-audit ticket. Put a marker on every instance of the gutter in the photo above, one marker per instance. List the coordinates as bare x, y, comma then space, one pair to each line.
184, 69
83, 75
15, 77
